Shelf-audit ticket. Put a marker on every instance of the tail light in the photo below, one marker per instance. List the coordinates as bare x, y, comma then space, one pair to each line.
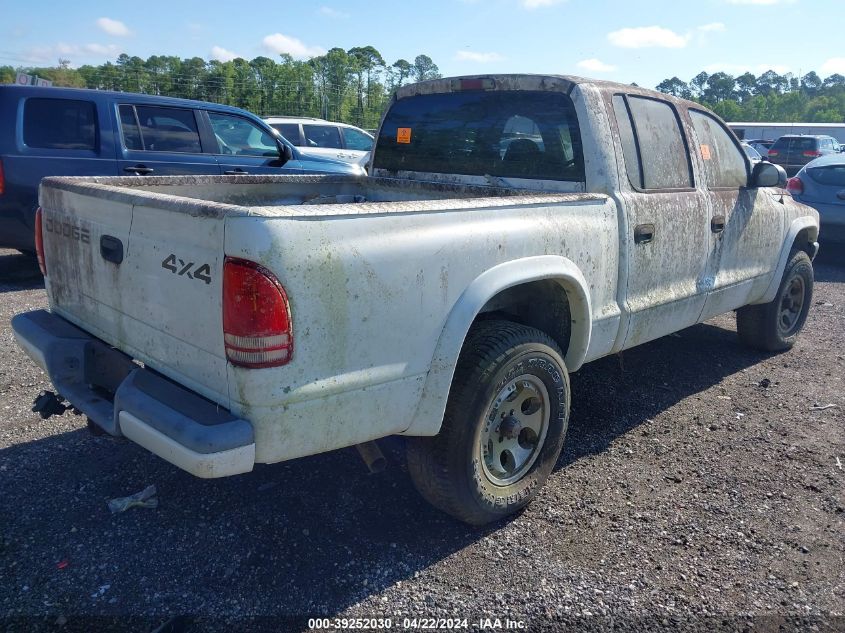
795, 186
773, 152
814, 153
256, 316
39, 241
2, 178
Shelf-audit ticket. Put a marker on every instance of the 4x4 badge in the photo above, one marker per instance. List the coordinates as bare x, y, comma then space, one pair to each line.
201, 272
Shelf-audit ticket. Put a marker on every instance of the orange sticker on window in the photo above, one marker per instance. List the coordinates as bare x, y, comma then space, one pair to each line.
403, 135
705, 152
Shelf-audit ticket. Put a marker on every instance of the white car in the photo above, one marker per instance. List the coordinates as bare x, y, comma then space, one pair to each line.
325, 139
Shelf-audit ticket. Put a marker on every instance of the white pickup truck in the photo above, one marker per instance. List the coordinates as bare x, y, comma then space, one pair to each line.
514, 228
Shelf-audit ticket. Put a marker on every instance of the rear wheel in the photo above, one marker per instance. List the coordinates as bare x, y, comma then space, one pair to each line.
503, 428
775, 326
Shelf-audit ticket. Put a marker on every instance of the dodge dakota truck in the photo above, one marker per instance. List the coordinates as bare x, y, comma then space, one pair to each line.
513, 228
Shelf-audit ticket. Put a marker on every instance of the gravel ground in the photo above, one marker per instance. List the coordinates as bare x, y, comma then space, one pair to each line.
698, 490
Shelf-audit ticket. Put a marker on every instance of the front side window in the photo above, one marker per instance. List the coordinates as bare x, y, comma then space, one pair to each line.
238, 136
662, 161
162, 129
326, 136
60, 124
355, 139
724, 164
516, 134
130, 129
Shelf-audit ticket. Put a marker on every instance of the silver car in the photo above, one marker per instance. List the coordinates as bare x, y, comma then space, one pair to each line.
821, 185
326, 139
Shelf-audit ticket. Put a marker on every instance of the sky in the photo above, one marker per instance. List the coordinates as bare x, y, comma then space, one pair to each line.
642, 41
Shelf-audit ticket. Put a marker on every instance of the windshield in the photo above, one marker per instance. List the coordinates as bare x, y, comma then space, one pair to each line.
516, 134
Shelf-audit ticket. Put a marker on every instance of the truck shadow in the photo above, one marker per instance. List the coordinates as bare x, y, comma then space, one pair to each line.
305, 538
19, 272
616, 394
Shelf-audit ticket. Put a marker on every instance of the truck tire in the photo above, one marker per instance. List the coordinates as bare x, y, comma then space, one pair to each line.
503, 427
774, 326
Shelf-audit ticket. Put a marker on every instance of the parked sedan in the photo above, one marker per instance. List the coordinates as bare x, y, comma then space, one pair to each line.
821, 185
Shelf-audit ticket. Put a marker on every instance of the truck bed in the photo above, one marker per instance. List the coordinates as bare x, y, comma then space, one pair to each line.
285, 196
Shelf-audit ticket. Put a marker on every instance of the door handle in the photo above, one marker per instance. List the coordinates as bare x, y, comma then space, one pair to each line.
235, 172
111, 249
841, 195
643, 233
139, 170
717, 224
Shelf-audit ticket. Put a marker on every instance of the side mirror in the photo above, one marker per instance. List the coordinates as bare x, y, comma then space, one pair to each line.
766, 174
285, 152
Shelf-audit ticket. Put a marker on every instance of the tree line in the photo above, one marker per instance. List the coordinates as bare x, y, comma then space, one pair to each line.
354, 85
769, 97
344, 85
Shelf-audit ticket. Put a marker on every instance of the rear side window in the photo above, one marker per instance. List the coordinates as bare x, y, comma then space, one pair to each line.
795, 144
724, 163
60, 124
516, 134
654, 129
289, 130
357, 140
830, 175
327, 136
162, 129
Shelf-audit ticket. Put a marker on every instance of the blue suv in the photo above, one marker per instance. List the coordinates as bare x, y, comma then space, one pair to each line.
78, 132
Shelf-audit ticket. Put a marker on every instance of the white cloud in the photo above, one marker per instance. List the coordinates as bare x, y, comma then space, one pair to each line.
72, 51
113, 27
713, 27
834, 65
284, 44
481, 58
223, 55
333, 13
538, 4
595, 65
647, 37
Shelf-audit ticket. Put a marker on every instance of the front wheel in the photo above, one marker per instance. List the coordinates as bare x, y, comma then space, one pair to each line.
503, 428
775, 326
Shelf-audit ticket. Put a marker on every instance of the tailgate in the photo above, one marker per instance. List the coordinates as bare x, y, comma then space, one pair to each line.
142, 274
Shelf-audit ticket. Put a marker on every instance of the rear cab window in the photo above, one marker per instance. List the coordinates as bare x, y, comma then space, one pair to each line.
62, 124
654, 149
511, 134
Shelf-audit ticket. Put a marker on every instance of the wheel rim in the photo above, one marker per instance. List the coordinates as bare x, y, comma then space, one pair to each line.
791, 305
514, 430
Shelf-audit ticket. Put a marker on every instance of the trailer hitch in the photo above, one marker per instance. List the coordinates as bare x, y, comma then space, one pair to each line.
48, 404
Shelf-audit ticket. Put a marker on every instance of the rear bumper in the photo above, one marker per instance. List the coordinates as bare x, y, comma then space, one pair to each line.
128, 400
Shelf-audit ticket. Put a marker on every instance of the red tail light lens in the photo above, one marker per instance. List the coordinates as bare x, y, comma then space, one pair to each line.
2, 179
813, 153
39, 241
256, 316
795, 186
773, 152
